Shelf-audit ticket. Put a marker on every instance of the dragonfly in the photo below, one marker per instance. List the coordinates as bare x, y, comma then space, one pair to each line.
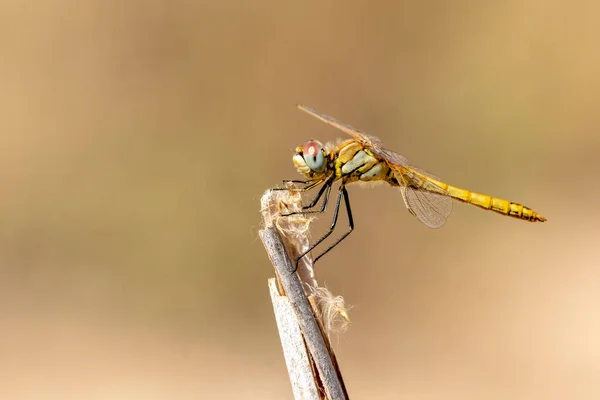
362, 158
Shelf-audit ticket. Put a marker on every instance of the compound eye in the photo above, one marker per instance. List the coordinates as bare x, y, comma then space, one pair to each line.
313, 154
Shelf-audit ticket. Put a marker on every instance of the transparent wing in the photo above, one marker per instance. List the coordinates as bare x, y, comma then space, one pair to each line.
396, 159
361, 137
424, 198
371, 142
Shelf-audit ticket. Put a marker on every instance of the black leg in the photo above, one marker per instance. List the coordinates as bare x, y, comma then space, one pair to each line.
325, 189
341, 193
351, 228
309, 185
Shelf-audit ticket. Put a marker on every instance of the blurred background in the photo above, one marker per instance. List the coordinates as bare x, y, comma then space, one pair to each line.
137, 137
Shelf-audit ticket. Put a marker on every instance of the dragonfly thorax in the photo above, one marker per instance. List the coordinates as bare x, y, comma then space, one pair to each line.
349, 161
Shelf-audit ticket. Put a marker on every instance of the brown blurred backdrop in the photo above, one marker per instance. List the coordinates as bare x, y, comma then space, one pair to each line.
137, 137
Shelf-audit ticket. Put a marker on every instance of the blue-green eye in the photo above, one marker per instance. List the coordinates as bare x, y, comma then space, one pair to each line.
314, 155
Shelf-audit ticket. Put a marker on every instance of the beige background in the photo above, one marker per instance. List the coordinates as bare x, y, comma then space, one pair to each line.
137, 137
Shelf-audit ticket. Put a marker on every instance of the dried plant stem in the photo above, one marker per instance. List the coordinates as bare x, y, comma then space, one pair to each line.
293, 339
295, 352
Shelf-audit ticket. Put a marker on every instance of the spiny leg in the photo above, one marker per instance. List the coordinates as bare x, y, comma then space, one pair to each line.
309, 185
350, 223
326, 189
341, 193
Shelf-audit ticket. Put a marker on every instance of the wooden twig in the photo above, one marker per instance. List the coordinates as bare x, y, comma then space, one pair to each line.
309, 327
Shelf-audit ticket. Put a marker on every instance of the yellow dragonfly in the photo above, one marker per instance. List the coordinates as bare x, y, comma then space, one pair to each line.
363, 159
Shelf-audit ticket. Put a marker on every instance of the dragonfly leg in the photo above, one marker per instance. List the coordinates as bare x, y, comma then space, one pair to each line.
285, 181
309, 185
325, 189
351, 227
341, 193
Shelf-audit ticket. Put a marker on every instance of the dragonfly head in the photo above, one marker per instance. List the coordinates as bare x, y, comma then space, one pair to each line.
310, 159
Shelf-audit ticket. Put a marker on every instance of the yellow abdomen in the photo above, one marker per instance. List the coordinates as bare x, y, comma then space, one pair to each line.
501, 206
